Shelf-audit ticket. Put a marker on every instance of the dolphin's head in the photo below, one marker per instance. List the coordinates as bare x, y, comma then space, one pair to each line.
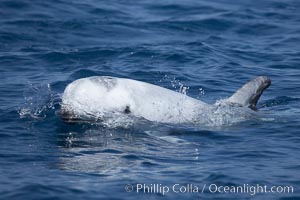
249, 94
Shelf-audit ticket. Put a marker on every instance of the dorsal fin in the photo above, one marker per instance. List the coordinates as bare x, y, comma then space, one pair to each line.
249, 94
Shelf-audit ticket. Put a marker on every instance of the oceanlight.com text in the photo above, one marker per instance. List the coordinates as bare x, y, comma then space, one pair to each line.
156, 188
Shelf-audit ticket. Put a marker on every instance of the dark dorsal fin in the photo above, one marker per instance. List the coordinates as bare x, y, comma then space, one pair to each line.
249, 94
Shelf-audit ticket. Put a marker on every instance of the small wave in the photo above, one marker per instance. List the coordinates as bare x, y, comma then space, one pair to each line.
281, 100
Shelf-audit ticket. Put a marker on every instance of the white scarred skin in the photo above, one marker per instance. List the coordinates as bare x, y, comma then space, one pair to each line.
98, 95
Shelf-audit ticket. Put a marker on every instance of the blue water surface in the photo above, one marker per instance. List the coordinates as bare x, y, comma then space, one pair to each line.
211, 47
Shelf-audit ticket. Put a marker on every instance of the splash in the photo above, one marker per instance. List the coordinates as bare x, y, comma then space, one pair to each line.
183, 89
179, 86
222, 114
117, 120
175, 83
39, 99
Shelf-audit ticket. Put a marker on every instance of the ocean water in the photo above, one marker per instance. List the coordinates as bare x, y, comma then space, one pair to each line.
210, 48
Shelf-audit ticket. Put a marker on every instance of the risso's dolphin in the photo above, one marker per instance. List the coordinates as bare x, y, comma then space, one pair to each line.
98, 97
